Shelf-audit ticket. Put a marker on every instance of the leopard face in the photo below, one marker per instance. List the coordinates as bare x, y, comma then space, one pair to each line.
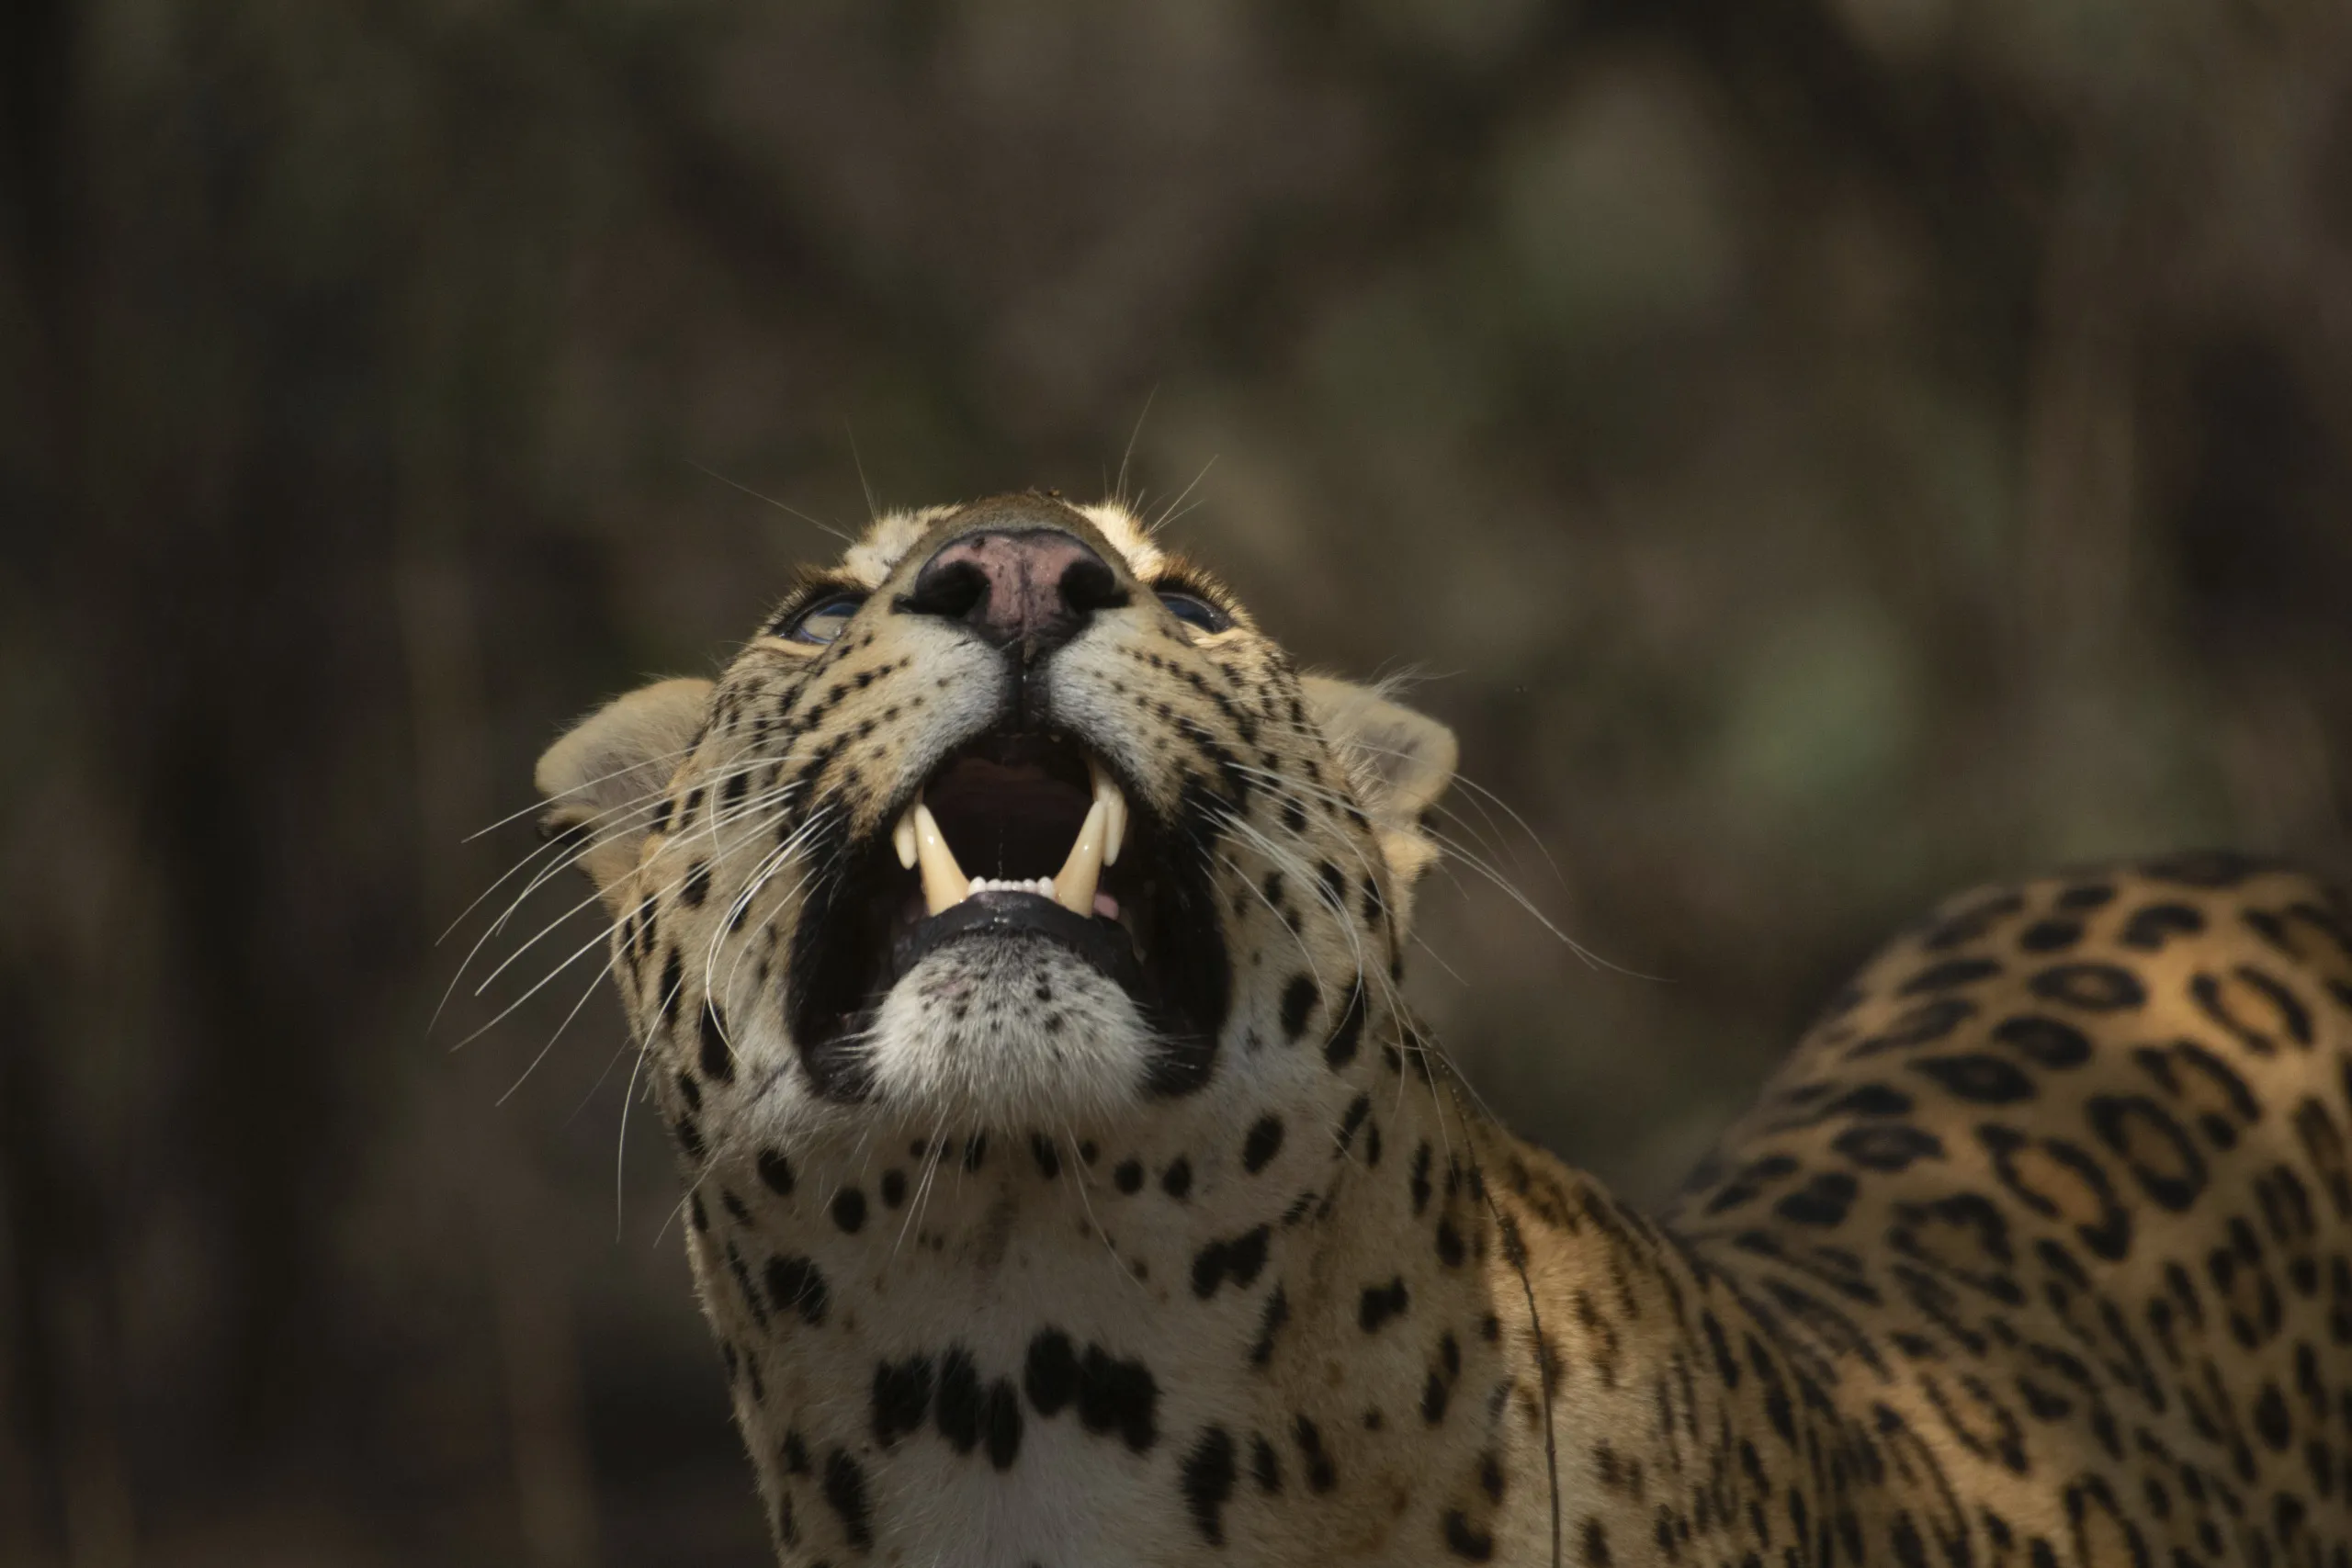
1008, 822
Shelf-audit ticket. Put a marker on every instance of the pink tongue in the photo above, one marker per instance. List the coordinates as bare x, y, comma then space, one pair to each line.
1106, 906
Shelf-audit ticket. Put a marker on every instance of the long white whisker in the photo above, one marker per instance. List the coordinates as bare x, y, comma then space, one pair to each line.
780, 506
592, 984
620, 1145
1439, 959
627, 1045
933, 1149
1169, 512
1119, 490
538, 806
544, 931
644, 807
542, 934
554, 868
603, 934
857, 460
1086, 1202
1455, 851
768, 863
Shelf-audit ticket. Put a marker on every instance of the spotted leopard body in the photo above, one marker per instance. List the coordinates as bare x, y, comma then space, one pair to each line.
2038, 1250
2055, 1207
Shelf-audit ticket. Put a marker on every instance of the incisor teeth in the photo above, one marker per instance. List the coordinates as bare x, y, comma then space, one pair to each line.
944, 885
902, 838
1074, 884
1115, 809
1041, 886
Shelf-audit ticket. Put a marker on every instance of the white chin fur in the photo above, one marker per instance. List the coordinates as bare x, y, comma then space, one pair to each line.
1014, 1056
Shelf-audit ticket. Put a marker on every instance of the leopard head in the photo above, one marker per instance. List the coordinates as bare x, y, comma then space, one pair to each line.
1007, 819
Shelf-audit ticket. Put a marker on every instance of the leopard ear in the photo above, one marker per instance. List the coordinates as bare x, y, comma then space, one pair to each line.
1398, 762
603, 779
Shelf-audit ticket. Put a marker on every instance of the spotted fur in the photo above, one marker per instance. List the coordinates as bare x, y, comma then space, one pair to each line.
2036, 1252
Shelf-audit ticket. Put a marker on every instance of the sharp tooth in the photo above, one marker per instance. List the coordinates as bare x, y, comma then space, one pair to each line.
1115, 809
944, 885
1074, 884
902, 838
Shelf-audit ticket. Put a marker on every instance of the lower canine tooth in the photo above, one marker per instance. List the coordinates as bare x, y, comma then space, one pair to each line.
1074, 884
944, 885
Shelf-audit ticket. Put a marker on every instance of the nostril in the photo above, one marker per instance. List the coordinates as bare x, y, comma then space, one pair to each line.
1087, 585
953, 588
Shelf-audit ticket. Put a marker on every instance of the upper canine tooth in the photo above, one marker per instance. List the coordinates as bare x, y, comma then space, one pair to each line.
1115, 808
1074, 884
944, 885
902, 838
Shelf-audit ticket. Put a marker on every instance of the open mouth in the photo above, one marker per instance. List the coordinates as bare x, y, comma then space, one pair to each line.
1018, 837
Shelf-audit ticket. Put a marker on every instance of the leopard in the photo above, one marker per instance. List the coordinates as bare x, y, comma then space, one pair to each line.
1013, 935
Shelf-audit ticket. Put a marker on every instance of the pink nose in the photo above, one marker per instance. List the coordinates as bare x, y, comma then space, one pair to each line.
1034, 587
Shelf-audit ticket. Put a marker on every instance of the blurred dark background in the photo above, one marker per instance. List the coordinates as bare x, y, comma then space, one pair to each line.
1818, 453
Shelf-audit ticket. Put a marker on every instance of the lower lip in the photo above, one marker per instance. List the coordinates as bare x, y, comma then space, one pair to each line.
1100, 940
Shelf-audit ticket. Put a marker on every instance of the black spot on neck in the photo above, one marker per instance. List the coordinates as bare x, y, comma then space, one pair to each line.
845, 1491
1264, 1142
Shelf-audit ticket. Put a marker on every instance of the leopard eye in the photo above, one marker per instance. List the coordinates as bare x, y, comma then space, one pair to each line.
824, 619
1200, 617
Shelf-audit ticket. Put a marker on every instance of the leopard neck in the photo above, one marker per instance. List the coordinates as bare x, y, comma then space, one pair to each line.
1656, 1411
1382, 1332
